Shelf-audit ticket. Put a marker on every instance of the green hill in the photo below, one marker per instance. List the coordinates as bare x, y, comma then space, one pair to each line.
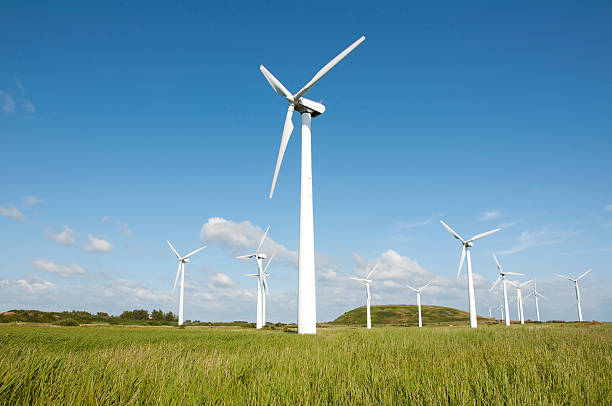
406, 315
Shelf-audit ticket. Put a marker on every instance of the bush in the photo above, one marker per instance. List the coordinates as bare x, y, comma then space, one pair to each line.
67, 323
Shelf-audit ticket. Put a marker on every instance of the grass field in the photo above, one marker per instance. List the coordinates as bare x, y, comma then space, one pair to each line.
531, 364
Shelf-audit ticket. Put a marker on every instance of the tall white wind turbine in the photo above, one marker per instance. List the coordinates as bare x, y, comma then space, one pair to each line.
418, 292
261, 283
367, 282
181, 270
465, 251
502, 277
307, 306
536, 295
575, 280
519, 298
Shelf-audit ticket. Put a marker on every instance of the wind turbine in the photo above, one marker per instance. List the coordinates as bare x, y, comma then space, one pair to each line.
519, 298
307, 305
575, 280
465, 251
181, 270
367, 282
261, 284
535, 295
418, 292
264, 279
502, 276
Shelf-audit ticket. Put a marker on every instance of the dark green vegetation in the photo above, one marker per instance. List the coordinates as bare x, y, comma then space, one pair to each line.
75, 317
533, 364
406, 315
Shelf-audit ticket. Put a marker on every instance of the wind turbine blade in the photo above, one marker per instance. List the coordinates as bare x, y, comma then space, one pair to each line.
512, 283
287, 130
461, 261
423, 287
251, 274
450, 230
412, 288
262, 240
173, 250
525, 283
178, 271
275, 83
327, 68
497, 262
194, 252
265, 284
477, 236
246, 256
541, 295
514, 273
495, 284
358, 279
269, 260
583, 275
564, 277
371, 272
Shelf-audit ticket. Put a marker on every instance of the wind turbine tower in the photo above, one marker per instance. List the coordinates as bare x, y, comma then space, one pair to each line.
465, 251
418, 292
578, 299
367, 282
307, 306
502, 277
181, 271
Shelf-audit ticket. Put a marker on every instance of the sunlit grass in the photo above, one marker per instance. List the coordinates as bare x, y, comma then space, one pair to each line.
532, 364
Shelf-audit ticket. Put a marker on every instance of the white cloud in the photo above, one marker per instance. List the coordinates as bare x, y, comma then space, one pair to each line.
531, 239
61, 270
7, 104
105, 219
12, 212
222, 280
243, 238
32, 200
490, 215
29, 107
608, 207
402, 225
65, 237
98, 244
33, 286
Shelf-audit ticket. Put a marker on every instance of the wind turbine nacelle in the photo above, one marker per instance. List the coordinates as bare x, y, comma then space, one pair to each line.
186, 260
308, 106
262, 256
470, 244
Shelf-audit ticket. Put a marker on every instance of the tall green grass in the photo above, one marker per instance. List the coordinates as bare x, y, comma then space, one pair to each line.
534, 364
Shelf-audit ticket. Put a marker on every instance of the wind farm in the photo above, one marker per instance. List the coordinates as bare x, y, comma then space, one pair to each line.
142, 141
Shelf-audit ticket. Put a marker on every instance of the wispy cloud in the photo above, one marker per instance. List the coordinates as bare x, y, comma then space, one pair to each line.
405, 225
12, 212
66, 236
489, 215
98, 244
608, 207
105, 219
65, 271
32, 200
531, 239
242, 238
222, 280
7, 104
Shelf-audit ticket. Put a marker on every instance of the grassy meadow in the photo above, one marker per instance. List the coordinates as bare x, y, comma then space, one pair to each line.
531, 364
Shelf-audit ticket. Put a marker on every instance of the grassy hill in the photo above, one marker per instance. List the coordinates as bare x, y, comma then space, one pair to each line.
406, 315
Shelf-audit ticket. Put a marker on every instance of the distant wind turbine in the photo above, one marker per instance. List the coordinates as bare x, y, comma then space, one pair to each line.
262, 285
519, 298
367, 282
418, 292
502, 276
575, 280
535, 295
465, 251
181, 271
307, 302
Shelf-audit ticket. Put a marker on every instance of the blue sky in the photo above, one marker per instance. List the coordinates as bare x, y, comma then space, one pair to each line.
133, 124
